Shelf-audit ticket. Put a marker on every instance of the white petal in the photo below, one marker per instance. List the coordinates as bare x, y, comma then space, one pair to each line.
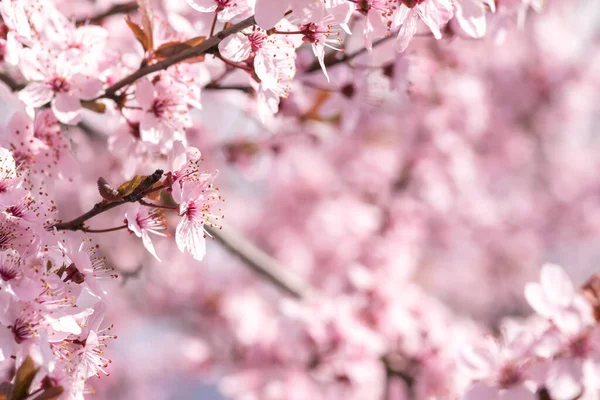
36, 94
235, 47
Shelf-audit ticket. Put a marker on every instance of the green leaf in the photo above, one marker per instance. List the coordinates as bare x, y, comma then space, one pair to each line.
25, 375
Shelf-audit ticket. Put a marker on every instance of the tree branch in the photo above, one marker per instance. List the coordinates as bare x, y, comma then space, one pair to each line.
260, 262
204, 47
143, 189
124, 8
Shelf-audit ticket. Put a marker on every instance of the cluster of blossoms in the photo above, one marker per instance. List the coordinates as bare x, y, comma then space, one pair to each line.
52, 290
396, 173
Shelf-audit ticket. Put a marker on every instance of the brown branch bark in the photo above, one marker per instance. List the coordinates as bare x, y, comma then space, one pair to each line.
204, 47
261, 263
124, 8
143, 189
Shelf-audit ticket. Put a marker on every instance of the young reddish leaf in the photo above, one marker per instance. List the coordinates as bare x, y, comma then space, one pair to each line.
147, 20
94, 106
155, 196
25, 375
170, 48
128, 187
139, 34
50, 394
195, 59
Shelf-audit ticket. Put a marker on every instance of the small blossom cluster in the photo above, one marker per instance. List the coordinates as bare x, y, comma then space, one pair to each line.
391, 179
554, 354
52, 290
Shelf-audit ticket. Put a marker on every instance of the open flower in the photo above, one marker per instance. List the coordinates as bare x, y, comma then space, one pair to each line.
142, 221
434, 13
197, 208
59, 80
165, 109
227, 9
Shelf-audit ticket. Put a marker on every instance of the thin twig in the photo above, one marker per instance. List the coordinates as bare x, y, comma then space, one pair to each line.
145, 203
142, 190
204, 47
124, 8
216, 86
260, 262
116, 228
214, 23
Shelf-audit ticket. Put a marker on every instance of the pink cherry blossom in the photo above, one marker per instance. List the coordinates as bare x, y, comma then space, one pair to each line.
57, 80
270, 12
142, 221
198, 207
165, 112
435, 13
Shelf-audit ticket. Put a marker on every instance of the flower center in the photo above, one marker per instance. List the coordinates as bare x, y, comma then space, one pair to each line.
21, 330
8, 272
257, 39
59, 85
223, 4
509, 375
411, 3
158, 107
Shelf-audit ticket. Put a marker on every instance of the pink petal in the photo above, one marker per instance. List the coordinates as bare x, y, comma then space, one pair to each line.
537, 300
177, 156
91, 36
66, 108
436, 13
151, 129
407, 31
148, 245
564, 379
481, 391
144, 93
556, 284
470, 15
519, 392
31, 66
85, 87
266, 70
203, 5
36, 94
190, 236
235, 47
341, 13
308, 10
20, 126
270, 12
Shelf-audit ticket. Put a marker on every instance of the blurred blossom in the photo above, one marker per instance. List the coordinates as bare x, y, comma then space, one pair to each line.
340, 199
